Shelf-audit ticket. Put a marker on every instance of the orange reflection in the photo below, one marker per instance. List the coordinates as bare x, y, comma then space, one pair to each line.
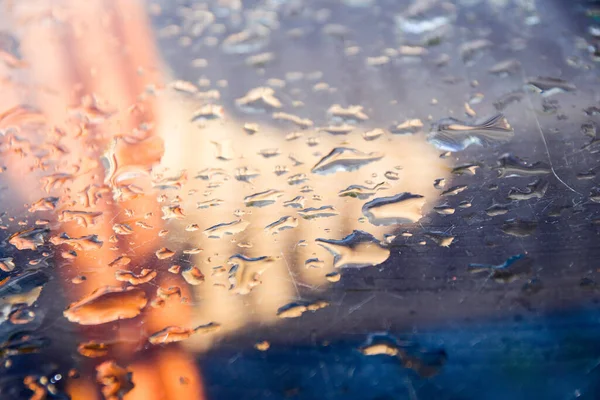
90, 64
114, 134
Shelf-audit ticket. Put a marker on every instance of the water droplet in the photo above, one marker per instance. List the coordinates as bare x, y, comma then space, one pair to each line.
465, 169
363, 192
293, 135
28, 239
375, 349
377, 61
425, 17
357, 250
260, 60
321, 212
587, 175
372, 134
296, 309
281, 224
7, 264
313, 141
511, 166
120, 262
192, 228
193, 275
281, 170
439, 183
146, 275
469, 50
169, 182
55, 181
505, 67
83, 243
172, 212
401, 208
391, 175
245, 272
262, 199
251, 128
262, 345
44, 204
440, 238
172, 334
344, 159
505, 100
454, 190
107, 304
444, 209
300, 122
518, 227
226, 228
296, 202
209, 203
246, 174
496, 209
21, 315
260, 99
536, 189
83, 218
408, 127
126, 159
250, 40
342, 129
164, 253
115, 380
208, 112
314, 263
510, 270
210, 174
224, 150
469, 111
548, 86
93, 349
122, 229
451, 134
353, 113
297, 179
268, 153
333, 277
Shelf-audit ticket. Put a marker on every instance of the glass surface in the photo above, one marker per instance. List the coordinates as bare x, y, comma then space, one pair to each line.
273, 199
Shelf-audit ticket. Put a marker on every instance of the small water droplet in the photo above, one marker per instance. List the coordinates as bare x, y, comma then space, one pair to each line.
344, 159
321, 212
226, 228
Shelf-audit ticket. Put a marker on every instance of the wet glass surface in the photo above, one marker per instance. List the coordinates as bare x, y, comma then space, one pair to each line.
272, 199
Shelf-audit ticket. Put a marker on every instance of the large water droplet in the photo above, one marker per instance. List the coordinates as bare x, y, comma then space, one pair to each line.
173, 334
245, 272
357, 250
451, 134
401, 208
107, 304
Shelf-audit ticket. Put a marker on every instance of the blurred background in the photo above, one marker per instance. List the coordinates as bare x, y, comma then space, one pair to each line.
273, 199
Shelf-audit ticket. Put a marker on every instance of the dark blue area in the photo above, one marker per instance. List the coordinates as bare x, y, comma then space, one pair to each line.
551, 357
